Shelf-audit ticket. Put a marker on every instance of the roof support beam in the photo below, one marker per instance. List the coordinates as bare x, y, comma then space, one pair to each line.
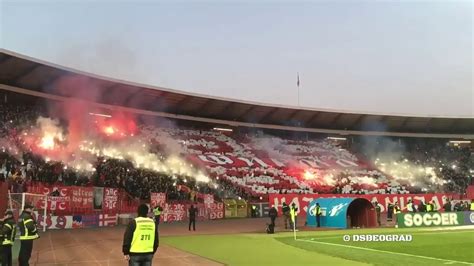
335, 119
246, 112
268, 114
358, 120
25, 72
237, 123
313, 119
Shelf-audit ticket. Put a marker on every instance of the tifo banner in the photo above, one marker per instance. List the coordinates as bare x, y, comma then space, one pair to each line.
229, 161
110, 198
157, 199
82, 197
302, 200
427, 219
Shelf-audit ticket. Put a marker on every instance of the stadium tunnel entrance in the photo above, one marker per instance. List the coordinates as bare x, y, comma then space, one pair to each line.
342, 213
361, 213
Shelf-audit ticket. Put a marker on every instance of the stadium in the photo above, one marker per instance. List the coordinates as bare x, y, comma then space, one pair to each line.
347, 188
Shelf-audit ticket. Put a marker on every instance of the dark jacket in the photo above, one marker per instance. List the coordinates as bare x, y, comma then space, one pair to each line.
286, 209
192, 213
272, 212
7, 230
31, 226
128, 237
2, 236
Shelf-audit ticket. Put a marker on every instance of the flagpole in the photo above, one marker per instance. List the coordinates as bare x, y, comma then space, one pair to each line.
298, 85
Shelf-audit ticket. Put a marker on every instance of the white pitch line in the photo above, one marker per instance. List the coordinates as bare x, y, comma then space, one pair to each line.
385, 251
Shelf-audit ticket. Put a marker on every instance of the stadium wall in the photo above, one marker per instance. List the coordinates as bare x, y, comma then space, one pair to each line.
303, 200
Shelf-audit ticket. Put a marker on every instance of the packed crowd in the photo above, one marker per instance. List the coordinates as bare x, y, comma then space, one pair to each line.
238, 165
448, 167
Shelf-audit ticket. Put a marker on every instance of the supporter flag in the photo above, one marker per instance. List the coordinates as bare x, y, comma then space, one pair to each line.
107, 220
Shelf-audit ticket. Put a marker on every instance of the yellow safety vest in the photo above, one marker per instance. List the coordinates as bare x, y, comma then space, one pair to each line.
292, 214
428, 207
472, 206
396, 210
318, 210
156, 211
28, 235
144, 236
9, 239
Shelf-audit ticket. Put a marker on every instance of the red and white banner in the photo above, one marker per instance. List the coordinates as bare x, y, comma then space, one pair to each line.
174, 212
208, 199
82, 197
216, 211
322, 162
157, 199
54, 222
180, 212
110, 199
58, 203
107, 220
302, 200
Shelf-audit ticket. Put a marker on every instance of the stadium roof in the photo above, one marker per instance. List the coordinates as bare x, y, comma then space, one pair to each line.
22, 74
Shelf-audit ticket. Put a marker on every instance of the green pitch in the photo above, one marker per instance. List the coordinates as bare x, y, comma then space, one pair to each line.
446, 247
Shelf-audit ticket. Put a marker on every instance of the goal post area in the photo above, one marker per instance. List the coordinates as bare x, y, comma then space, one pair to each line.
17, 202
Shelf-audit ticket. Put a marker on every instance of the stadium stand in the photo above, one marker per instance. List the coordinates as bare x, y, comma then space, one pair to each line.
248, 165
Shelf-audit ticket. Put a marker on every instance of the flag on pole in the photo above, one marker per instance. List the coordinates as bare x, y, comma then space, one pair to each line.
298, 79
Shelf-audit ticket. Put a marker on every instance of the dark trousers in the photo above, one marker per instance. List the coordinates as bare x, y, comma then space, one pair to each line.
192, 221
287, 218
25, 252
318, 220
157, 219
6, 255
272, 219
140, 260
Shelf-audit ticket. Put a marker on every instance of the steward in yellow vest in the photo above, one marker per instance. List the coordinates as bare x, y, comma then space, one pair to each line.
429, 207
472, 205
318, 213
140, 241
293, 215
7, 238
157, 213
28, 233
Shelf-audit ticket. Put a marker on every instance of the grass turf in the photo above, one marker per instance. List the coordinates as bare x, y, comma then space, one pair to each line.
328, 248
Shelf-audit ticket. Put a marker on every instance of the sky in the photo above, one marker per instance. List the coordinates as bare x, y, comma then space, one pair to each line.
388, 57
